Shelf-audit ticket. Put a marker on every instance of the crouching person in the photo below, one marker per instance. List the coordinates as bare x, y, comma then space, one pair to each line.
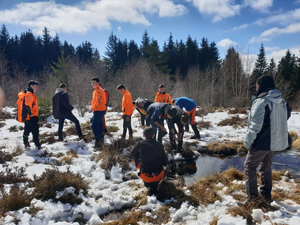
150, 160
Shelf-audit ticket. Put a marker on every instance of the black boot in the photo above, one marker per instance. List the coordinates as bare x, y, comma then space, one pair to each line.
196, 131
179, 148
187, 127
98, 143
25, 141
173, 145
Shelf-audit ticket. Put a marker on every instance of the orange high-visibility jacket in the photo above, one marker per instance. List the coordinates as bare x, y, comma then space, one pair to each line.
163, 97
99, 99
31, 101
22, 112
127, 107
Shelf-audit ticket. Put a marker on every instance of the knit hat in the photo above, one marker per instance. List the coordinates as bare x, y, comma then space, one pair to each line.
32, 82
266, 83
149, 132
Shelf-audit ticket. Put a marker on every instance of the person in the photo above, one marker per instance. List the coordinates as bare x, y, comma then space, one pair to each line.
141, 105
30, 111
162, 96
180, 118
127, 110
107, 100
98, 108
267, 133
150, 159
63, 110
190, 106
155, 115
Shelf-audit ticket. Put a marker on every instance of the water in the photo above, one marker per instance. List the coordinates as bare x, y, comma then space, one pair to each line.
205, 165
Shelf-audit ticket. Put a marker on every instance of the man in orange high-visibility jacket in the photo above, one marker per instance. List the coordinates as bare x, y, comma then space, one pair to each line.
162, 96
150, 160
127, 110
32, 109
98, 108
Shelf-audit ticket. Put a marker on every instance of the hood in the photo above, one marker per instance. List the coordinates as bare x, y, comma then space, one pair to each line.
58, 90
273, 95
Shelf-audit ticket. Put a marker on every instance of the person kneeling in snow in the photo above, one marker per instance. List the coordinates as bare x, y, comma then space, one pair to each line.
150, 160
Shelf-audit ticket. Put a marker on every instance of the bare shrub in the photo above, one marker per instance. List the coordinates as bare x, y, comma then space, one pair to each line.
204, 124
53, 180
238, 111
13, 175
4, 157
16, 199
234, 121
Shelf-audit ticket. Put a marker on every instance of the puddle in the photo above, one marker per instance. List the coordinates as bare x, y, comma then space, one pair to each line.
205, 165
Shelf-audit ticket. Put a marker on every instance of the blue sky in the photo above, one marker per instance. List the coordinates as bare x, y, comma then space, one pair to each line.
244, 24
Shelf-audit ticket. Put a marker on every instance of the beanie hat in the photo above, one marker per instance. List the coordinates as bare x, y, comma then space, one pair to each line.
149, 132
172, 112
265, 83
32, 82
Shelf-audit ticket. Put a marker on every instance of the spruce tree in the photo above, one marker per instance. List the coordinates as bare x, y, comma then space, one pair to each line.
4, 39
171, 54
192, 52
145, 44
133, 51
260, 67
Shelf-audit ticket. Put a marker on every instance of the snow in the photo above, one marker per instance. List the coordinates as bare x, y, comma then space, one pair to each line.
106, 189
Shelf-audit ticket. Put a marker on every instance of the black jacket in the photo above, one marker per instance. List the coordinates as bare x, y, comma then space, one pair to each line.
61, 105
150, 154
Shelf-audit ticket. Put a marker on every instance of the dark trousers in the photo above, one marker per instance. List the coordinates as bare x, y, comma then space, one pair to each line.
180, 132
72, 118
31, 126
161, 133
152, 187
97, 124
127, 125
253, 159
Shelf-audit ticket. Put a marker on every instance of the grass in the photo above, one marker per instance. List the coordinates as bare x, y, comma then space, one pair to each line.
6, 115
16, 199
13, 129
225, 149
66, 159
294, 135
234, 121
85, 129
113, 157
204, 125
111, 129
238, 111
13, 175
2, 124
53, 180
47, 138
5, 157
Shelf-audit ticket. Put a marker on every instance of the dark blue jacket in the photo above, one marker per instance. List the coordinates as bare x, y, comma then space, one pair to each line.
157, 111
187, 103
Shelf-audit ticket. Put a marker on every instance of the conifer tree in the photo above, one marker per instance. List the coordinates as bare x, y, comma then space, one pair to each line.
260, 66
4, 38
171, 54
192, 52
145, 44
133, 51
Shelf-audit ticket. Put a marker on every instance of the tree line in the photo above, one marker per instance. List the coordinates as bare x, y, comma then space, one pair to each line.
187, 68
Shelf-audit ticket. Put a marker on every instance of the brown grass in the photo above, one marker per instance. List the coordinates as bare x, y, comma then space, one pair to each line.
238, 111
13, 175
66, 159
13, 129
234, 121
2, 125
5, 157
214, 221
226, 149
72, 153
296, 144
6, 115
85, 129
202, 112
47, 138
111, 129
16, 199
204, 125
111, 158
53, 180
294, 135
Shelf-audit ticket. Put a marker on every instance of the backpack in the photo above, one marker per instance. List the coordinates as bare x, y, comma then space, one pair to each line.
140, 102
21, 112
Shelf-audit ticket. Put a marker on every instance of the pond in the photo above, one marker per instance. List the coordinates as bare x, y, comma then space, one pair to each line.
205, 165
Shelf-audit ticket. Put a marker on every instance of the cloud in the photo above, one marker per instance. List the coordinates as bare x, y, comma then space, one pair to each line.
259, 39
259, 5
226, 43
284, 18
241, 27
119, 28
278, 54
218, 9
270, 49
87, 15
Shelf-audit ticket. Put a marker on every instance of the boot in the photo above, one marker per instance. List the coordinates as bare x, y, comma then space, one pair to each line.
179, 147
187, 127
196, 131
173, 145
98, 143
25, 141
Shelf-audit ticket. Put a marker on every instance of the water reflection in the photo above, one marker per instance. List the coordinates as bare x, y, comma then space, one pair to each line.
205, 165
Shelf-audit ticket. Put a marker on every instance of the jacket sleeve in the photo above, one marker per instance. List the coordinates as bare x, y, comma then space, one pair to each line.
169, 99
28, 104
155, 115
256, 121
171, 126
164, 157
156, 98
142, 117
135, 154
65, 101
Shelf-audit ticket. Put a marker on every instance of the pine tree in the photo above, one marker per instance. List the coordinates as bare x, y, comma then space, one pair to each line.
62, 68
260, 67
172, 55
286, 66
4, 38
145, 44
192, 52
111, 52
204, 56
271, 70
133, 51
182, 58
156, 57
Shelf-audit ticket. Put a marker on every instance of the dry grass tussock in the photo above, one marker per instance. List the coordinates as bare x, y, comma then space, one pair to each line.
225, 149
294, 135
113, 157
234, 121
47, 138
16, 199
214, 221
85, 129
296, 142
204, 125
2, 124
202, 112
14, 128
6, 115
53, 180
238, 111
13, 175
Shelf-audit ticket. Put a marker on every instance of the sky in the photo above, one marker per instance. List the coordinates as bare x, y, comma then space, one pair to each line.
243, 24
